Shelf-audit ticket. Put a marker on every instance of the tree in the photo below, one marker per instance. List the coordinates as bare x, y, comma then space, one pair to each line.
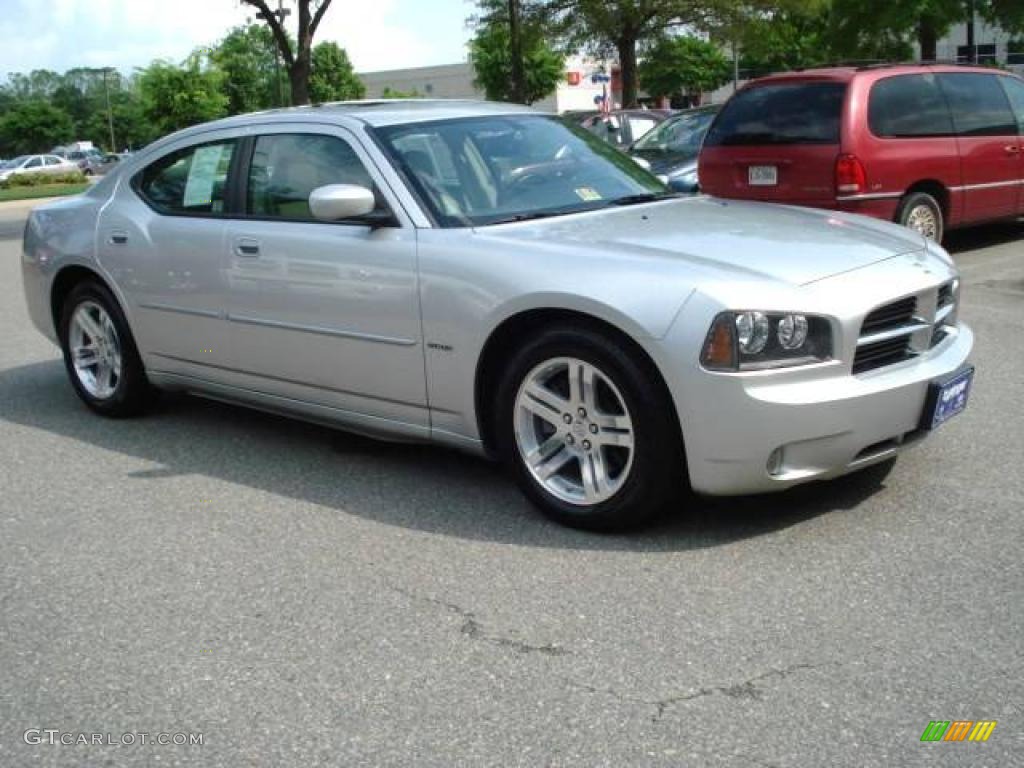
394, 93
790, 39
857, 28
34, 126
246, 57
620, 26
494, 58
297, 55
332, 77
683, 64
176, 97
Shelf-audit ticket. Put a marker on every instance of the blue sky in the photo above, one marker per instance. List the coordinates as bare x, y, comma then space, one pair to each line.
60, 34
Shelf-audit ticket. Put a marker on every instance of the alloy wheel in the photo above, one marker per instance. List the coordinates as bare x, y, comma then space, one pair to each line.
95, 350
573, 431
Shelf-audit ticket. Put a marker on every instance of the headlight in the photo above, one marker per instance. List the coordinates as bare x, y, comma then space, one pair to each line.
751, 340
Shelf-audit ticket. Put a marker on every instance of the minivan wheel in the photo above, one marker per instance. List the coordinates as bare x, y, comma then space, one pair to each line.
583, 429
922, 213
100, 355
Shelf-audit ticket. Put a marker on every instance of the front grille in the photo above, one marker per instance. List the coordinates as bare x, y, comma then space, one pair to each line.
890, 316
882, 353
901, 329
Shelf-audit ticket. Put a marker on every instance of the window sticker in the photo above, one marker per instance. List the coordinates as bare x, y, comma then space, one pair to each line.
588, 194
202, 175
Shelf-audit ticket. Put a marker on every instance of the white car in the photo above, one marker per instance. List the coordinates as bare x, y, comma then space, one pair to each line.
46, 164
490, 278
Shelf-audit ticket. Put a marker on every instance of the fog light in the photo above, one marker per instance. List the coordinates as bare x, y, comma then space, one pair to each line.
792, 331
774, 466
752, 332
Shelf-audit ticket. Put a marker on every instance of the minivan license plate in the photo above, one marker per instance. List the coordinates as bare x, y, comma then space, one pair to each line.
763, 175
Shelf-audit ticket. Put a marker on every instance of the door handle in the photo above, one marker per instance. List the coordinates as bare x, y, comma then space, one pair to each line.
247, 247
1012, 150
118, 238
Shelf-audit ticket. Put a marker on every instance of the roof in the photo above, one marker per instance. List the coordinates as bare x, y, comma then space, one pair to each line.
847, 73
380, 112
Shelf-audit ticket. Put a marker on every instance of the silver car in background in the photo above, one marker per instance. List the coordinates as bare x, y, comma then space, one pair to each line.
49, 165
489, 278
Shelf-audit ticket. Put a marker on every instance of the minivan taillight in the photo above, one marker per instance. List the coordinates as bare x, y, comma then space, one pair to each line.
851, 178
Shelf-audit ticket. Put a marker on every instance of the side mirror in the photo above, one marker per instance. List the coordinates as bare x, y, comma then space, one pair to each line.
341, 201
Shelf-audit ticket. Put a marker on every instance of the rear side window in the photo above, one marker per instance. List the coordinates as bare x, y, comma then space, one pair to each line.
979, 105
191, 180
780, 113
287, 167
908, 107
1015, 90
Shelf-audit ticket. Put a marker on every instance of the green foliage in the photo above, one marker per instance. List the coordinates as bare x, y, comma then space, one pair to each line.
683, 64
786, 40
490, 53
246, 59
332, 77
177, 97
42, 179
46, 190
32, 126
394, 93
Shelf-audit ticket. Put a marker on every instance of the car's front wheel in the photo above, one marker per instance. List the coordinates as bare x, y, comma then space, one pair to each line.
588, 431
100, 355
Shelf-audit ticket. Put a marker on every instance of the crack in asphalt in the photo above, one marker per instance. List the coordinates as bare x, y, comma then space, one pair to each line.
474, 629
748, 689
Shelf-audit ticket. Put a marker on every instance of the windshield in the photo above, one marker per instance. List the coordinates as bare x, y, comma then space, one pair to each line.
486, 170
780, 113
683, 133
15, 163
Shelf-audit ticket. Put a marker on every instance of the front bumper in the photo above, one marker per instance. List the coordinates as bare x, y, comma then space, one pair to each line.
826, 422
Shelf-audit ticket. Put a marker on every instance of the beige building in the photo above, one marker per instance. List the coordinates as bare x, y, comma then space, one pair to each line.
576, 91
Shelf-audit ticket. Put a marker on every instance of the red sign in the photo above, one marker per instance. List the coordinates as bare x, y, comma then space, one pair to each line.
573, 78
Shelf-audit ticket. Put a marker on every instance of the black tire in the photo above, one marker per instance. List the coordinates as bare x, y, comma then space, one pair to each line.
132, 392
916, 202
657, 475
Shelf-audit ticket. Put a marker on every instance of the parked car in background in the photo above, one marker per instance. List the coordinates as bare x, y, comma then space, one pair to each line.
98, 165
44, 164
931, 147
671, 149
485, 277
622, 127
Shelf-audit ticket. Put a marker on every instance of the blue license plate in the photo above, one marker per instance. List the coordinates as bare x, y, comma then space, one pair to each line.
947, 397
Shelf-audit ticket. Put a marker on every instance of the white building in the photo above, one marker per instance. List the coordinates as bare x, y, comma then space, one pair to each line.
575, 91
993, 46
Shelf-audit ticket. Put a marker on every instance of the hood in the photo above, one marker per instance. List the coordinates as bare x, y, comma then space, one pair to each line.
793, 245
666, 161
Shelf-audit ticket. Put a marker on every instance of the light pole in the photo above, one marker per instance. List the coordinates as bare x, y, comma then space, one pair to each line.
282, 13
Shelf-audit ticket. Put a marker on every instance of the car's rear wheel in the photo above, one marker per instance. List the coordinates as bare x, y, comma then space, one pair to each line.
100, 355
586, 431
922, 213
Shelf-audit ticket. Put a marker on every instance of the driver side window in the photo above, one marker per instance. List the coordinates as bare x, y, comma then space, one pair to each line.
287, 167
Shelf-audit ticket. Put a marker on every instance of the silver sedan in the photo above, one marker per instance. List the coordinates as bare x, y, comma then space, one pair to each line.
489, 278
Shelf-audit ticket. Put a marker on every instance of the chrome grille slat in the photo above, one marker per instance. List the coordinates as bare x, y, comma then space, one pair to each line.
904, 328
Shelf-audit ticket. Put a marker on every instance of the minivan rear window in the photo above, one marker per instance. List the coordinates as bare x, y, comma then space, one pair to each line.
908, 107
780, 113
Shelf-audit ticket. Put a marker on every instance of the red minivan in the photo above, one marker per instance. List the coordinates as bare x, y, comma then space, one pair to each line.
932, 147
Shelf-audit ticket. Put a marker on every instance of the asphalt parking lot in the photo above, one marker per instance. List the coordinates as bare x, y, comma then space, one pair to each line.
302, 597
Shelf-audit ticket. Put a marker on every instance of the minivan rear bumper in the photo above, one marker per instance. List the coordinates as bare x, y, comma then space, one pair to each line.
878, 207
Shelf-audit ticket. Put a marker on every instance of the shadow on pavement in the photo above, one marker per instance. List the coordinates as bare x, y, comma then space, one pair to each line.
987, 236
418, 487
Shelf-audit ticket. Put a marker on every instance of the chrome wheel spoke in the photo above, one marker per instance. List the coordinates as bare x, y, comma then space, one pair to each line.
619, 439
548, 464
544, 403
595, 476
88, 323
581, 384
85, 356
